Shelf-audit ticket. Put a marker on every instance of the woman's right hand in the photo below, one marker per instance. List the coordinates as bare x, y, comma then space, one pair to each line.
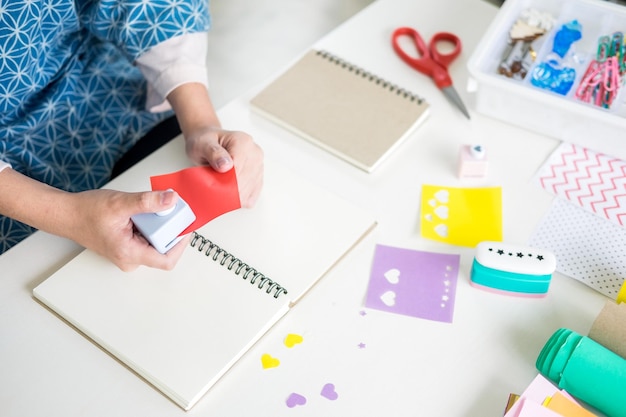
104, 225
98, 219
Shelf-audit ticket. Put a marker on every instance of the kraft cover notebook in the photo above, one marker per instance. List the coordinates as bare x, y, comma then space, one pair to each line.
341, 108
182, 330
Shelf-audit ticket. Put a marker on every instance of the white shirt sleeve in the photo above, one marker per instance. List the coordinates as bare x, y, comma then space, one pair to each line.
4, 165
171, 63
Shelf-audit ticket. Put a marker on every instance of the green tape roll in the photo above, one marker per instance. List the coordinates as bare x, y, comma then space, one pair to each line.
585, 369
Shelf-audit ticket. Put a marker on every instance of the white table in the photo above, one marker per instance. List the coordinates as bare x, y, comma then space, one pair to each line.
408, 366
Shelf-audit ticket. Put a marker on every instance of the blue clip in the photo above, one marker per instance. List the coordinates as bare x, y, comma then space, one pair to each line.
566, 36
553, 74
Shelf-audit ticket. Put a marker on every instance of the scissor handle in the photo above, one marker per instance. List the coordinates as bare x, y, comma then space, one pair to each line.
420, 45
445, 58
430, 60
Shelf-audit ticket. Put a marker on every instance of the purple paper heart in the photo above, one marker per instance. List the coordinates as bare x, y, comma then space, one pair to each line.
328, 391
295, 399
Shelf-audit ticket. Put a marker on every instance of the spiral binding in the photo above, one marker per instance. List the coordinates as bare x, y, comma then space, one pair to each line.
371, 77
236, 265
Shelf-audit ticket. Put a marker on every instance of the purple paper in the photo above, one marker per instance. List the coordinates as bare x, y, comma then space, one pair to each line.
413, 283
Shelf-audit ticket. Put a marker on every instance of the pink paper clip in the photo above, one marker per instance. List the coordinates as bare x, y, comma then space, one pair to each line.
611, 81
600, 83
589, 82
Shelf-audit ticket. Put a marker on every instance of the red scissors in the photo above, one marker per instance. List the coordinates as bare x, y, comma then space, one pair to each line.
431, 61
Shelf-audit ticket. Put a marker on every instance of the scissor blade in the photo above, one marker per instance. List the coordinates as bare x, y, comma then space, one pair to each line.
453, 96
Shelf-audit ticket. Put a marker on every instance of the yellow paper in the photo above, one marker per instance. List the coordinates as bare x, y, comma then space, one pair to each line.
559, 403
621, 295
461, 216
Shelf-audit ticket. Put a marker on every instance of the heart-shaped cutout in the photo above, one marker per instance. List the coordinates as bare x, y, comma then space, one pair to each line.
328, 391
268, 361
477, 151
428, 217
293, 339
393, 276
389, 298
442, 212
442, 196
295, 399
441, 230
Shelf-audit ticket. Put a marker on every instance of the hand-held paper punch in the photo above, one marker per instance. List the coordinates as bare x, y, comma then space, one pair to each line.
512, 269
163, 229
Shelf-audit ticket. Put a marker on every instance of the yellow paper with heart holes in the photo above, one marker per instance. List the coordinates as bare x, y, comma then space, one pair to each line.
461, 216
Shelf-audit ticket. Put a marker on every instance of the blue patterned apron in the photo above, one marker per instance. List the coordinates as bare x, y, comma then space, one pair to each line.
71, 102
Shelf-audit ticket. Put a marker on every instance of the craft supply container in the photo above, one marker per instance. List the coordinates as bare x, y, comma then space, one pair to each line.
519, 102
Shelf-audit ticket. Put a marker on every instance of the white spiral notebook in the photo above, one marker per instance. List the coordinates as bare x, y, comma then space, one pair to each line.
182, 330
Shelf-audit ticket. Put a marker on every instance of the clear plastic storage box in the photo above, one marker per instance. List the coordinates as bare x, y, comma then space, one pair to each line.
505, 68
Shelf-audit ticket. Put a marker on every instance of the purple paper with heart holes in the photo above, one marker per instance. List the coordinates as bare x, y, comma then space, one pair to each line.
413, 283
295, 399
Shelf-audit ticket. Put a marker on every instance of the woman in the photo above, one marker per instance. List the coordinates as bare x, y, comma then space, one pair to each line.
80, 83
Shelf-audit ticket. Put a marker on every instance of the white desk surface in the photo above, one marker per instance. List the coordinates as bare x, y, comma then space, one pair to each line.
409, 366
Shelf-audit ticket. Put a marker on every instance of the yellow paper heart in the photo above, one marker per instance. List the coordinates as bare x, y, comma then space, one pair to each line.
293, 339
268, 361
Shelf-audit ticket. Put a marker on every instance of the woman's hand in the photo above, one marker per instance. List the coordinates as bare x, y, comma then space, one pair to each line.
99, 219
103, 224
208, 143
223, 149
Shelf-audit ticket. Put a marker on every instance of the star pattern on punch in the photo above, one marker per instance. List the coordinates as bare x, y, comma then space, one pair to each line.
520, 255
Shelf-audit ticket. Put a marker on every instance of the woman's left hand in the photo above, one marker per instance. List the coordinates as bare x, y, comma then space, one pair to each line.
223, 149
208, 143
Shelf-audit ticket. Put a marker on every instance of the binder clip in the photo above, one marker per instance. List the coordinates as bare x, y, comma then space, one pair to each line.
512, 269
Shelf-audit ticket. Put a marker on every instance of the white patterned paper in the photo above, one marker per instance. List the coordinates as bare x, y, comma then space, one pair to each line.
587, 247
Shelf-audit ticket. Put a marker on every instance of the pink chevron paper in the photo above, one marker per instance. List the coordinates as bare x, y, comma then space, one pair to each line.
593, 181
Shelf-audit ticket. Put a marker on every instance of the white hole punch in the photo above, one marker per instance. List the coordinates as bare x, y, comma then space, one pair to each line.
166, 212
163, 228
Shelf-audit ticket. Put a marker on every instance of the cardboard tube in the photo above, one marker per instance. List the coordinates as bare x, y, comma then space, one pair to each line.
609, 328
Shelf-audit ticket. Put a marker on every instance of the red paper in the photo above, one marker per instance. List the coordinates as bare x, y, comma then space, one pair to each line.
209, 193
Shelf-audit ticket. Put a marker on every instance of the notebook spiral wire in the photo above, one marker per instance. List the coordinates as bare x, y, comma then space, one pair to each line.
232, 263
371, 77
